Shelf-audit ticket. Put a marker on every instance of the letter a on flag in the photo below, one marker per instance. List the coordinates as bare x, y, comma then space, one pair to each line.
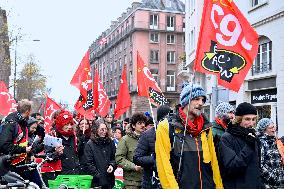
227, 44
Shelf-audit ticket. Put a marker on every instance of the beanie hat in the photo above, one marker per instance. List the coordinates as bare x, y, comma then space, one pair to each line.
262, 124
185, 95
223, 108
31, 121
162, 111
245, 109
63, 118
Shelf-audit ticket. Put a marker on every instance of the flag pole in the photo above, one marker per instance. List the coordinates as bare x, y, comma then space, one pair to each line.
152, 113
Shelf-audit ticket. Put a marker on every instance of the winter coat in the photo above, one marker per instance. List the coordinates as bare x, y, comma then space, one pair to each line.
99, 155
69, 158
144, 156
124, 158
240, 162
9, 134
272, 172
82, 141
217, 131
199, 162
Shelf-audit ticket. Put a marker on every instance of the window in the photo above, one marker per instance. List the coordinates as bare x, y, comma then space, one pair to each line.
191, 6
130, 39
154, 21
154, 56
125, 44
120, 64
255, 2
192, 39
171, 57
170, 23
130, 58
171, 39
263, 61
170, 80
183, 24
154, 37
130, 80
155, 74
125, 59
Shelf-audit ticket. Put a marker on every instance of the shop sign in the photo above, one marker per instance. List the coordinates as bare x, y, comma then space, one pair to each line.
263, 96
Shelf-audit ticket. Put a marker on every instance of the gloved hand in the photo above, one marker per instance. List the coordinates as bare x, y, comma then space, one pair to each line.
251, 139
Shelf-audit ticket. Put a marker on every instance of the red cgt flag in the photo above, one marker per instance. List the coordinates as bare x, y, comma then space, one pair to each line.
123, 97
101, 100
147, 86
227, 43
50, 107
7, 102
82, 77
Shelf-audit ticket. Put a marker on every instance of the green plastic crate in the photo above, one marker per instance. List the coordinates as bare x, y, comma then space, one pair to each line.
74, 181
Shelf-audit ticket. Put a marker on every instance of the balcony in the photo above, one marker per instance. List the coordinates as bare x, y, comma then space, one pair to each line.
183, 70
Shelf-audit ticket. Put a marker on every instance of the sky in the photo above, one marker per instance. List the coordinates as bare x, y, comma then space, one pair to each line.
65, 28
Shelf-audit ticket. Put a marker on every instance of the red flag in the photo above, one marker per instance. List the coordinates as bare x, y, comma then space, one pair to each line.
86, 107
82, 77
7, 102
147, 86
101, 100
123, 101
50, 107
227, 43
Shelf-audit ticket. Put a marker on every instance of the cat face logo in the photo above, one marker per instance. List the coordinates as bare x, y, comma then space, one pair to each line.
225, 62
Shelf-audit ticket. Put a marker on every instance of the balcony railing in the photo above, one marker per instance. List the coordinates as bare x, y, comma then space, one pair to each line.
261, 68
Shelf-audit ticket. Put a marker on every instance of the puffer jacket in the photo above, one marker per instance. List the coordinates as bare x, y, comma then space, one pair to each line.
124, 158
272, 172
144, 156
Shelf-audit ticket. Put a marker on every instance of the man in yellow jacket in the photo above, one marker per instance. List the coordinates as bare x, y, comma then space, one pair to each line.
185, 152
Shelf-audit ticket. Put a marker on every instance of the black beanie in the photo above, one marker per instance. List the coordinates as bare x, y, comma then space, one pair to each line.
162, 111
245, 109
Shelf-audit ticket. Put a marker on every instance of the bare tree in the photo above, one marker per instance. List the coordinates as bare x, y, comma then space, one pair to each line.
31, 84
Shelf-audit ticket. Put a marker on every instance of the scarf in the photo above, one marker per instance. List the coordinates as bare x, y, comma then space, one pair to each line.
193, 128
221, 122
240, 131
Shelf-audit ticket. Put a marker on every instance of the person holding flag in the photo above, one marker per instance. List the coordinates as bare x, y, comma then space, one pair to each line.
185, 152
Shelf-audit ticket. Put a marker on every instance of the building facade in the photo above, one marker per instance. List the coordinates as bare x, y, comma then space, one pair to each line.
265, 81
155, 29
5, 62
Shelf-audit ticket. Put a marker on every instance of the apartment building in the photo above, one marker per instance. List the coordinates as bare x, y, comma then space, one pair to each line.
156, 30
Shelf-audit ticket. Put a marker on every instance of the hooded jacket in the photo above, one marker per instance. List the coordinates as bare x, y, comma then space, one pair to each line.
199, 168
10, 133
124, 158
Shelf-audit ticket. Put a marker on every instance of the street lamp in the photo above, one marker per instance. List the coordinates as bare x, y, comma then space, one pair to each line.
15, 66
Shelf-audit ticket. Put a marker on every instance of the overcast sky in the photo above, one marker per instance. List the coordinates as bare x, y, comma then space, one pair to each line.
65, 28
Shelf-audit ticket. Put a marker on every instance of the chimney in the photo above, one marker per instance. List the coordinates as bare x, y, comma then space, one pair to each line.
135, 5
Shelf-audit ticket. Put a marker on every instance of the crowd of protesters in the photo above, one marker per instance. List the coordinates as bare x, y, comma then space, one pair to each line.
179, 148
